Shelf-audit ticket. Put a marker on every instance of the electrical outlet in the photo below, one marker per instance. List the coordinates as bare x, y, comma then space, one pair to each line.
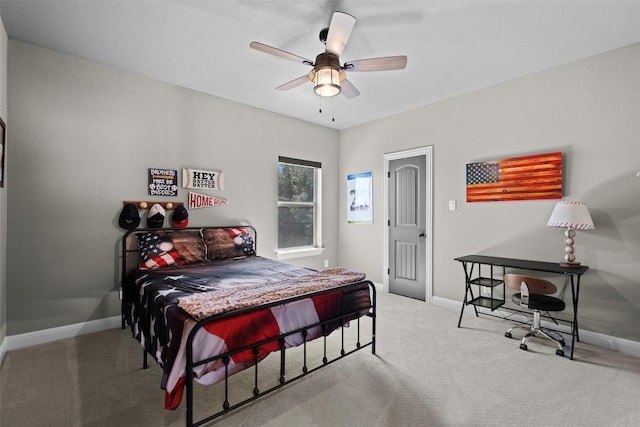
326, 263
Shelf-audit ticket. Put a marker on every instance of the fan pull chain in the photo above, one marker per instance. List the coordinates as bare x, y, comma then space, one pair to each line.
333, 112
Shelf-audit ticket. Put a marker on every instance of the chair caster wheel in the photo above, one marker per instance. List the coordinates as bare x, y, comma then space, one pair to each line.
507, 334
560, 352
523, 347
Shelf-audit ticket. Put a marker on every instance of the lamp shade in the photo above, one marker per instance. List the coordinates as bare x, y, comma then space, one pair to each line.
327, 81
570, 214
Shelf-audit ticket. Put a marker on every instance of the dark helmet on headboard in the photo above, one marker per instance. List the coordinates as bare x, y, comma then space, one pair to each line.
155, 216
129, 217
180, 217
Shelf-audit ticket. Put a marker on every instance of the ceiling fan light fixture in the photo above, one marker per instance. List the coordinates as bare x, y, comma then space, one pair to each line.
326, 81
327, 75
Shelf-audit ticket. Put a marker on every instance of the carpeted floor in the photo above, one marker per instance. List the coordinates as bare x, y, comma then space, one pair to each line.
426, 372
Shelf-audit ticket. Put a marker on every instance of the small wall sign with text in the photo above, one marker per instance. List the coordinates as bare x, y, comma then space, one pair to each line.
203, 201
203, 179
163, 182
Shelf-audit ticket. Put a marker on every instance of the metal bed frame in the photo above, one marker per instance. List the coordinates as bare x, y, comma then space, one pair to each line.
255, 347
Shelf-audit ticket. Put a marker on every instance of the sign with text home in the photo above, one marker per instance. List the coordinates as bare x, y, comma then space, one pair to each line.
202, 179
197, 201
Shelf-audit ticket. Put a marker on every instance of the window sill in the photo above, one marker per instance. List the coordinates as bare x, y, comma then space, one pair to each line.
298, 253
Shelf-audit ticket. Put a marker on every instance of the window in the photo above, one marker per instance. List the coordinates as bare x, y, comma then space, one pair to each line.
299, 214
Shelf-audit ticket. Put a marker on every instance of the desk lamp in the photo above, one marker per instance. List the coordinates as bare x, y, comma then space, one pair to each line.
572, 216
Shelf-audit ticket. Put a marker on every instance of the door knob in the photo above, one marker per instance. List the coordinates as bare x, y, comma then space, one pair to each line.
421, 235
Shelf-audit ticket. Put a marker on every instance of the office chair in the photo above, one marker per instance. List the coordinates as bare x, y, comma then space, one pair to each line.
534, 294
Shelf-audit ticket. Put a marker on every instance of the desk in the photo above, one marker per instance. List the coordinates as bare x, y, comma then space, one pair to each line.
469, 263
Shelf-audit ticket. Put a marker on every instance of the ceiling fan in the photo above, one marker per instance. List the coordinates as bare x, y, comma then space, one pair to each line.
328, 76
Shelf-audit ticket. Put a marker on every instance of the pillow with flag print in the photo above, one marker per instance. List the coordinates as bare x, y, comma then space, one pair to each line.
228, 242
163, 249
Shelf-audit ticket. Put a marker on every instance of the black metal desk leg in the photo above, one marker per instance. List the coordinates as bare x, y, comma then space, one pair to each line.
464, 301
575, 313
575, 292
466, 290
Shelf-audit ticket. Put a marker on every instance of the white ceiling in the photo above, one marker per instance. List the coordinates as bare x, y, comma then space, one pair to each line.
453, 47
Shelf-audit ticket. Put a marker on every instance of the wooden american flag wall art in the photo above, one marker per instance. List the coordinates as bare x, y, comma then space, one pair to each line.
517, 178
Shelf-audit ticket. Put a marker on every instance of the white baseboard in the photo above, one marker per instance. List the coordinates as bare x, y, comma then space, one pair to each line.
622, 345
446, 303
3, 349
28, 339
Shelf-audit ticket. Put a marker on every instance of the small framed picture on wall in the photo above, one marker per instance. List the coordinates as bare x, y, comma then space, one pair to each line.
2, 151
359, 198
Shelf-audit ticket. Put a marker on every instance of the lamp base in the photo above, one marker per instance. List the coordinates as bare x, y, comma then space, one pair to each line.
569, 264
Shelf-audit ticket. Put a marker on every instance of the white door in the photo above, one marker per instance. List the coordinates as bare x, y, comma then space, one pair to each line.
407, 227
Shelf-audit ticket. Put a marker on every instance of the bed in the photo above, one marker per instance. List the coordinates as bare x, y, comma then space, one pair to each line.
204, 306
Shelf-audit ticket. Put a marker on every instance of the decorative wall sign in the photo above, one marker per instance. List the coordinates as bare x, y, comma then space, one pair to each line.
518, 178
203, 201
163, 182
359, 198
206, 180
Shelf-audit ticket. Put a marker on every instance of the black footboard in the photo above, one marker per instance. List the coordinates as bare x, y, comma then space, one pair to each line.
227, 406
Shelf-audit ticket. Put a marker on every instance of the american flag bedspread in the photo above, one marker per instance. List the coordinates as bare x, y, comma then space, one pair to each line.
158, 302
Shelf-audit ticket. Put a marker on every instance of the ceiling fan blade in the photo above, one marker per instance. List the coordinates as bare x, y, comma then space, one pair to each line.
280, 53
339, 32
377, 64
348, 89
294, 83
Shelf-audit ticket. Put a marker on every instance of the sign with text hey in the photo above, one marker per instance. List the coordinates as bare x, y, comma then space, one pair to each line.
517, 178
203, 179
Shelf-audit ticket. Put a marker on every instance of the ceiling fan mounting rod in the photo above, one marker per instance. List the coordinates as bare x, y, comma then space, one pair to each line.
323, 35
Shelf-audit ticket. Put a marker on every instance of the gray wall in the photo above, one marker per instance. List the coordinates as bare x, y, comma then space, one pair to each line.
3, 191
589, 110
83, 136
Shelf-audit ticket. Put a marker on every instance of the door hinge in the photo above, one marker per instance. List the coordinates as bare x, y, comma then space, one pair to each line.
388, 174
388, 271
388, 223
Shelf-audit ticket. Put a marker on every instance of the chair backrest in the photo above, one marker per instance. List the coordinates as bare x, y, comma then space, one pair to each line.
534, 284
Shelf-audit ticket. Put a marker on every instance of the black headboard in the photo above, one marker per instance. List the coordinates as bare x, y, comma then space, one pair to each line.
131, 253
